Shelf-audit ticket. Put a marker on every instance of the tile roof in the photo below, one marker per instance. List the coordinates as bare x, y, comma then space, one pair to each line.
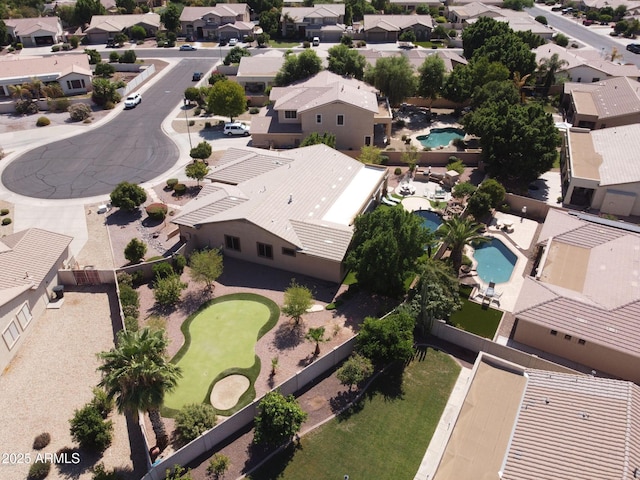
266, 64
450, 59
575, 426
289, 194
396, 22
117, 23
27, 26
612, 97
618, 147
189, 14
325, 10
22, 68
27, 257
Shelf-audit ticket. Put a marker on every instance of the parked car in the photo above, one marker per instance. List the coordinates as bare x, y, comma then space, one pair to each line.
132, 100
236, 128
557, 9
197, 76
316, 41
567, 10
233, 42
222, 42
588, 22
634, 47
187, 48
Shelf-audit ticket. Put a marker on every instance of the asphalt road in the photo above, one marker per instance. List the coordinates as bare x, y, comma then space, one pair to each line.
131, 147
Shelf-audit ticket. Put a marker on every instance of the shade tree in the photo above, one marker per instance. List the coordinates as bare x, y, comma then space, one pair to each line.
227, 98
387, 340
393, 77
346, 61
297, 300
279, 419
206, 266
298, 67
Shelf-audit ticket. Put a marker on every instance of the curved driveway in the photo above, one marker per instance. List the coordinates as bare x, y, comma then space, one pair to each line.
131, 147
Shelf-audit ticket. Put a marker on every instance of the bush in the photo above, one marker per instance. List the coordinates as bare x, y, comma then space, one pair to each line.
74, 41
131, 324
102, 402
4, 211
109, 105
55, 48
79, 112
59, 105
66, 47
361, 43
90, 430
157, 211
193, 420
6, 221
172, 183
562, 40
218, 465
463, 189
541, 19
179, 262
162, 270
100, 473
207, 125
19, 46
167, 291
479, 205
179, 189
254, 110
397, 171
129, 56
114, 57
26, 107
128, 196
42, 122
41, 441
39, 470
456, 165
105, 70
130, 300
138, 278
306, 44
197, 112
135, 250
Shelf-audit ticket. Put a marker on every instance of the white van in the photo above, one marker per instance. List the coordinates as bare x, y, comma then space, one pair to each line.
316, 41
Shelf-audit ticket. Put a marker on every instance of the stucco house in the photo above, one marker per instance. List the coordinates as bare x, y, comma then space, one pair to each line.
451, 59
583, 301
35, 32
325, 21
104, 27
348, 108
258, 72
518, 423
71, 71
387, 28
213, 22
411, 5
30, 263
600, 169
292, 210
610, 102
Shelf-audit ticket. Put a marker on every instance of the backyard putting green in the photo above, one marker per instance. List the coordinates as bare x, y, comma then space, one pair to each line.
220, 338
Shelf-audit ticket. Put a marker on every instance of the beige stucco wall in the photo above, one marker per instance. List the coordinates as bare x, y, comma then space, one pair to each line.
600, 358
212, 235
280, 140
74, 76
607, 200
358, 124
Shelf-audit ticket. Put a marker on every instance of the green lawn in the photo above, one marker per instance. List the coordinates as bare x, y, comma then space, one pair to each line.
219, 340
474, 318
282, 44
384, 436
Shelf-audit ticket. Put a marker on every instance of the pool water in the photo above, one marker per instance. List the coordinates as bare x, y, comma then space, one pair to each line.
430, 220
495, 261
440, 137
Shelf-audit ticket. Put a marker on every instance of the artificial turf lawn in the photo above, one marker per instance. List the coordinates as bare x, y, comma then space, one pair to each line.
384, 436
475, 318
219, 337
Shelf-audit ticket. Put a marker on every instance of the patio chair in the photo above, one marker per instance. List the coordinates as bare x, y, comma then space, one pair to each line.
496, 297
387, 202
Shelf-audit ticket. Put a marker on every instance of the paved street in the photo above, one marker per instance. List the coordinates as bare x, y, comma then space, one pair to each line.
130, 147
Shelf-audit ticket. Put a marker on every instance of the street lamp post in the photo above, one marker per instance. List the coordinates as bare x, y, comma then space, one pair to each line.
187, 119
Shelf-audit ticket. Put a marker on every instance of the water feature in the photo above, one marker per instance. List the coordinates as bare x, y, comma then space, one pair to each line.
495, 261
440, 137
430, 220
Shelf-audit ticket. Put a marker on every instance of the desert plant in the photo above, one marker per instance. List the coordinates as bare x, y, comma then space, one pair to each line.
179, 189
167, 291
102, 402
254, 110
135, 250
274, 365
4, 211
55, 48
39, 470
162, 270
128, 196
90, 430
41, 441
26, 107
66, 47
218, 465
79, 112
59, 104
6, 221
179, 262
101, 473
193, 420
42, 122
114, 57
171, 183
397, 171
157, 211
131, 324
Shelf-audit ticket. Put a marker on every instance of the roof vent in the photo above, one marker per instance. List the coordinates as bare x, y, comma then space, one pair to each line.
547, 401
290, 197
585, 415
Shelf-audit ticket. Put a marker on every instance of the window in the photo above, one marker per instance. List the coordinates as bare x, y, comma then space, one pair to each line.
595, 79
340, 120
11, 335
75, 84
24, 316
265, 251
567, 337
232, 243
289, 252
581, 341
290, 114
367, 140
318, 118
554, 332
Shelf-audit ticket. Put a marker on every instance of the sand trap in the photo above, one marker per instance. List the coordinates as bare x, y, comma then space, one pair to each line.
226, 393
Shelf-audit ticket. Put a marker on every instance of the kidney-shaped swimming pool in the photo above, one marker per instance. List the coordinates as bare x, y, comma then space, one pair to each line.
495, 261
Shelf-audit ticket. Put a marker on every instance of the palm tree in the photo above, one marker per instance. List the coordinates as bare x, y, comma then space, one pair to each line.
316, 335
458, 232
615, 55
138, 374
548, 69
438, 293
520, 82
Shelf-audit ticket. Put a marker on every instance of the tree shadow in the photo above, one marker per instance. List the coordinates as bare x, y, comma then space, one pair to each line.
288, 335
308, 360
149, 222
193, 299
74, 462
122, 217
342, 406
276, 464
388, 384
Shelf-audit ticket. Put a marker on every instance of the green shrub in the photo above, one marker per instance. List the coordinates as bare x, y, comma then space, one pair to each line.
138, 278
456, 165
179, 262
156, 322
39, 470
179, 189
19, 46
192, 123
162, 270
361, 43
41, 441
172, 183
157, 211
79, 112
66, 47
124, 278
197, 111
58, 104
90, 430
42, 122
109, 105
254, 110
207, 125
193, 420
161, 43
167, 291
100, 473
306, 44
135, 250
105, 70
218, 465
6, 221
26, 107
397, 171
131, 324
55, 48
129, 56
102, 402
74, 41
4, 211
130, 301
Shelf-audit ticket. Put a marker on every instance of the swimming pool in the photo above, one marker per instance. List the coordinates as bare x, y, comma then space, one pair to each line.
430, 220
440, 137
495, 261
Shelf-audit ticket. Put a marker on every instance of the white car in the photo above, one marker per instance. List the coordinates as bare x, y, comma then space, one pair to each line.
233, 42
187, 47
236, 128
132, 100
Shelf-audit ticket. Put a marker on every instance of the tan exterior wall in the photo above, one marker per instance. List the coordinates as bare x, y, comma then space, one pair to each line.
70, 78
213, 235
600, 358
280, 140
358, 124
606, 200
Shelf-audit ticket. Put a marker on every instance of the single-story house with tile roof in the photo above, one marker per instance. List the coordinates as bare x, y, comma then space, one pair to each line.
451, 59
462, 14
30, 263
600, 169
411, 5
258, 72
611, 102
583, 301
205, 22
387, 28
520, 423
348, 108
292, 210
325, 21
467, 14
104, 27
35, 32
585, 66
71, 71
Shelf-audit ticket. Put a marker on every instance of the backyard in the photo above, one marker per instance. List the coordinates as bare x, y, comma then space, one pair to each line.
383, 435
475, 318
